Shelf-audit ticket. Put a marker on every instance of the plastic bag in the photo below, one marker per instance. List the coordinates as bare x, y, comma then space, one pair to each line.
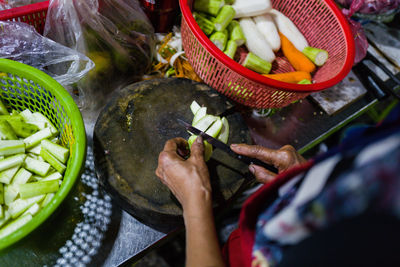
370, 6
7, 4
21, 42
115, 34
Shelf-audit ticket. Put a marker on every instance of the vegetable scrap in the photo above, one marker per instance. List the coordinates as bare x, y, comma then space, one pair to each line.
171, 60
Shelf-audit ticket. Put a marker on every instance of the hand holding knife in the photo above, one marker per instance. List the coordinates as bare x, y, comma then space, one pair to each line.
224, 147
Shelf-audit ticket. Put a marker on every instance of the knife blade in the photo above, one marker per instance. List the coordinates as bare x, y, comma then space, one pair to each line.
224, 147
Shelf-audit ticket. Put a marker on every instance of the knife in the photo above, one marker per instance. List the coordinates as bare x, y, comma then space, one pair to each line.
224, 147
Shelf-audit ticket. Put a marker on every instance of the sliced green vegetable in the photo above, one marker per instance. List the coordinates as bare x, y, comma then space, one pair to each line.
47, 199
194, 107
19, 126
305, 81
12, 161
6, 131
7, 175
20, 205
199, 115
230, 49
204, 123
15, 225
37, 166
29, 190
10, 147
206, 25
59, 152
32, 210
37, 137
1, 212
224, 134
235, 33
35, 149
207, 147
54, 162
211, 7
10, 193
5, 218
215, 128
316, 55
53, 176
224, 17
220, 39
257, 64
21, 177
40, 117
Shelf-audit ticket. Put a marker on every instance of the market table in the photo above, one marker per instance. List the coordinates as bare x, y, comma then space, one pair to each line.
89, 229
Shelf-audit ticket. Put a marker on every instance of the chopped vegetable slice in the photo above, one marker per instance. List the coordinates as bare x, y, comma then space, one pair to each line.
29, 190
10, 147
257, 64
211, 7
224, 134
224, 17
230, 49
194, 107
220, 39
199, 115
15, 225
236, 33
6, 131
37, 166
290, 77
316, 55
206, 25
251, 8
59, 152
266, 25
12, 161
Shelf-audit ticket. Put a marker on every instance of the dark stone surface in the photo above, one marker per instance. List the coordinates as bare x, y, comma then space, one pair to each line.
132, 130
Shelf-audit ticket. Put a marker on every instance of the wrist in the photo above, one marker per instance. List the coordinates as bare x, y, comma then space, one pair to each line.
198, 206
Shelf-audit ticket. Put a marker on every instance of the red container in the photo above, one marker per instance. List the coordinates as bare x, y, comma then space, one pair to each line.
322, 24
34, 14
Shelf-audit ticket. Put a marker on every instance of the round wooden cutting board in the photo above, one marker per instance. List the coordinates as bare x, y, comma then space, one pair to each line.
131, 132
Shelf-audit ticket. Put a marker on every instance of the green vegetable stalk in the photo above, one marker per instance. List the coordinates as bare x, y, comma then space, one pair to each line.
230, 49
220, 39
211, 7
257, 64
206, 25
224, 17
236, 33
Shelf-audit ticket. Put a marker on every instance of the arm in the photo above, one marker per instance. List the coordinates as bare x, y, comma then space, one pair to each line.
189, 181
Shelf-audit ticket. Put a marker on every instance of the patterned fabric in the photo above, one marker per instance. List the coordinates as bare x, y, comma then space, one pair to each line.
364, 178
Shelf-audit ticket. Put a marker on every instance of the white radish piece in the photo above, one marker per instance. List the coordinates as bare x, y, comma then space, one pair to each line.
250, 8
289, 29
255, 42
266, 25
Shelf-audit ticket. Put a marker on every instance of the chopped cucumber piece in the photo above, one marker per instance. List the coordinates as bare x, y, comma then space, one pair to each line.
10, 193
35, 150
11, 147
205, 122
224, 134
20, 205
53, 176
194, 107
236, 33
55, 163
224, 17
29, 190
7, 175
220, 39
230, 49
316, 55
257, 64
6, 131
20, 127
11, 161
211, 7
40, 117
47, 199
32, 210
22, 177
37, 166
15, 225
37, 137
199, 115
215, 128
59, 152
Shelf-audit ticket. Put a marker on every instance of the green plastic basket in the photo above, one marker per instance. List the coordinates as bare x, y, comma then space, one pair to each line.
24, 87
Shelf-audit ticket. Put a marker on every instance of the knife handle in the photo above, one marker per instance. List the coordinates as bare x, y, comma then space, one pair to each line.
258, 162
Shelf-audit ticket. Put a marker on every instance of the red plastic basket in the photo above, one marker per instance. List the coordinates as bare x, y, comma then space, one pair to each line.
34, 14
322, 24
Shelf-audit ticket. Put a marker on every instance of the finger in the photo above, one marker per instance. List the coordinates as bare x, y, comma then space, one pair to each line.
197, 149
255, 151
262, 175
175, 143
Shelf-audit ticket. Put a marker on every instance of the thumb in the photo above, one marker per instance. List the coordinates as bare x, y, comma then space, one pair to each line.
197, 149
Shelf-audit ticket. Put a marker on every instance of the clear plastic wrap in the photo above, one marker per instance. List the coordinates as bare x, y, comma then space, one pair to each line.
21, 42
115, 34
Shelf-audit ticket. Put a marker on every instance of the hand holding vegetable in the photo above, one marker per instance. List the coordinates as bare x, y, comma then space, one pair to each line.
188, 179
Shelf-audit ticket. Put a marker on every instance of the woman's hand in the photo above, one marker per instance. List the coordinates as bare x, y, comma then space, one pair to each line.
188, 179
283, 159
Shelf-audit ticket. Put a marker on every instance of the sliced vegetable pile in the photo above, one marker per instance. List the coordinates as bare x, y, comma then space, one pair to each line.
263, 30
31, 166
212, 125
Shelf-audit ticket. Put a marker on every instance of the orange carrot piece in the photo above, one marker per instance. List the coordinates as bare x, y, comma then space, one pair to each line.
290, 77
299, 61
